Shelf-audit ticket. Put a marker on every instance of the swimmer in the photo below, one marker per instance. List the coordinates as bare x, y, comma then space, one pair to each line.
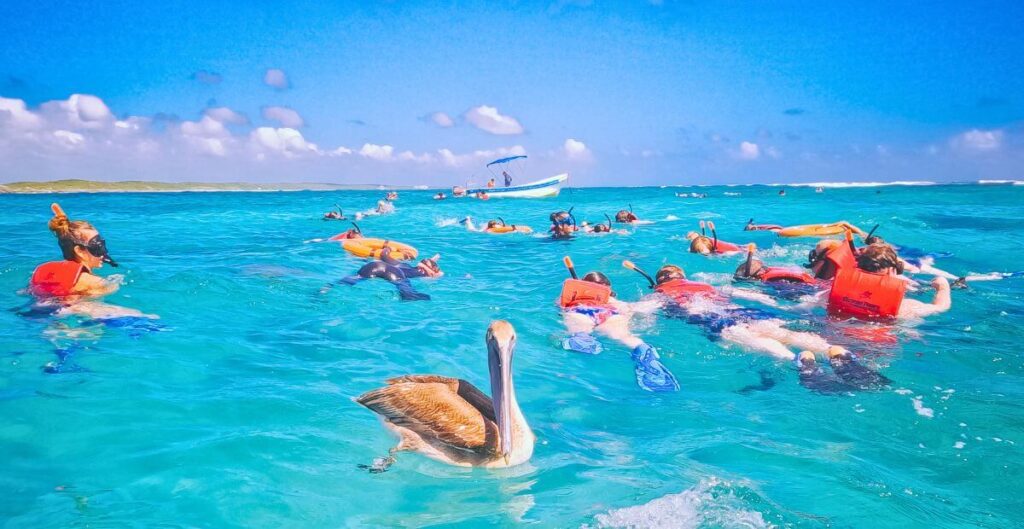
84, 251
398, 274
587, 308
707, 307
563, 224
882, 259
626, 217
700, 243
760, 227
384, 207
352, 233
440, 196
335, 215
392, 195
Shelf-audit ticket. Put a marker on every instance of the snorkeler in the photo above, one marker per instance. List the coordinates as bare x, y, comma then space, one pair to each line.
626, 217
873, 289
563, 225
352, 233
440, 196
84, 250
753, 269
589, 305
704, 305
495, 226
398, 274
335, 215
704, 245
760, 227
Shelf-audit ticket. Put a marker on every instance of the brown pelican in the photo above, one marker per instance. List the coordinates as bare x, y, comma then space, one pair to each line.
451, 420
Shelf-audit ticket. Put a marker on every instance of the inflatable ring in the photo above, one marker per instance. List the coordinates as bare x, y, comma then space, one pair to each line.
509, 229
820, 230
372, 248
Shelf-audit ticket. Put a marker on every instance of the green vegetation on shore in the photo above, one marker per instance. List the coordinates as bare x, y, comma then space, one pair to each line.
138, 186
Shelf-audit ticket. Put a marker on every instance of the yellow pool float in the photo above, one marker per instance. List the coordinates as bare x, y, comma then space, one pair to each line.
509, 229
367, 247
820, 230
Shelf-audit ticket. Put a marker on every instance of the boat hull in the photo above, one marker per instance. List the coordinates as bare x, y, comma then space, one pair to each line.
548, 187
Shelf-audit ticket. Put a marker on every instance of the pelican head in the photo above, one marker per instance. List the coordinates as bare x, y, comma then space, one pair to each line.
501, 345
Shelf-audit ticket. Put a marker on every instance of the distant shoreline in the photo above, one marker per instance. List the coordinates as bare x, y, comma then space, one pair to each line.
138, 186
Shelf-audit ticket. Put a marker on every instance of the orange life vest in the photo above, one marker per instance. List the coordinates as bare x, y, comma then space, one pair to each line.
777, 273
866, 295
578, 292
724, 247
55, 279
841, 257
681, 290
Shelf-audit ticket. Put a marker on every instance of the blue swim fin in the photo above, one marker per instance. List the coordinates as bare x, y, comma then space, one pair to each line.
582, 342
651, 374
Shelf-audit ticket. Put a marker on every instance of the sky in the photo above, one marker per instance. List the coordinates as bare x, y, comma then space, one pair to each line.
615, 93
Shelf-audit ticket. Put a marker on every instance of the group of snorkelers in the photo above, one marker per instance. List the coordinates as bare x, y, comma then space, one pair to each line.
859, 283
383, 207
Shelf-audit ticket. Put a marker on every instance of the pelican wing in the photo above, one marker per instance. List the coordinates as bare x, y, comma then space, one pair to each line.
434, 410
465, 390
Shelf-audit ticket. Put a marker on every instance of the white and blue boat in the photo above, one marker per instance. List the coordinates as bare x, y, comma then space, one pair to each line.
547, 187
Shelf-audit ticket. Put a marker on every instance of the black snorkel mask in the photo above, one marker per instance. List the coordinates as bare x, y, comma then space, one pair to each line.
98, 248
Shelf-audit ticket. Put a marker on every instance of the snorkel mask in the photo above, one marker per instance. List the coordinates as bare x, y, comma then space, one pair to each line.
98, 248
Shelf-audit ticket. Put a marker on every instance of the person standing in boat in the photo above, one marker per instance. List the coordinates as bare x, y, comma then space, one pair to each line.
508, 178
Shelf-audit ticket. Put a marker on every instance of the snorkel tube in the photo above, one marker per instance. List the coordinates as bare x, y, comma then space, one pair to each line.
502, 221
609, 222
867, 238
629, 264
750, 259
714, 246
702, 232
567, 261
572, 217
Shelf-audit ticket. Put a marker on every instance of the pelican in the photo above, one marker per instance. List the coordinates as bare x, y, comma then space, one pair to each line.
452, 421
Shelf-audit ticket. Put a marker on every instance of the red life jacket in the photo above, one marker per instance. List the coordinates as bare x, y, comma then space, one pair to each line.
724, 247
681, 290
866, 295
55, 279
841, 257
578, 292
778, 273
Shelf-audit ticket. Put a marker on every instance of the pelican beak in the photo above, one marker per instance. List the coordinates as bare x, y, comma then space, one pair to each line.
501, 344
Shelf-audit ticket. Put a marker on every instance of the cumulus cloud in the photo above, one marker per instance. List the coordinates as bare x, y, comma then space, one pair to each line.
277, 79
226, 115
376, 152
79, 111
283, 140
488, 119
285, 116
748, 151
451, 159
978, 141
576, 150
442, 120
207, 77
14, 113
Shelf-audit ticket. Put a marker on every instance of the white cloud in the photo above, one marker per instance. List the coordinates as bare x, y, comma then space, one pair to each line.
284, 140
748, 151
376, 152
576, 150
451, 159
285, 116
226, 115
442, 120
488, 119
773, 153
15, 113
68, 138
205, 127
276, 78
80, 111
976, 140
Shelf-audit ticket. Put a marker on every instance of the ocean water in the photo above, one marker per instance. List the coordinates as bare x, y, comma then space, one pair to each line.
237, 410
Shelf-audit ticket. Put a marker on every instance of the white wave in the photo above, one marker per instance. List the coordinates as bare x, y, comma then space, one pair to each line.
920, 408
728, 194
1001, 182
445, 222
857, 184
710, 503
671, 218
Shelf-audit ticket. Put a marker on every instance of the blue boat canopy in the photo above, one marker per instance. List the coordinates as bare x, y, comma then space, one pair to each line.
506, 160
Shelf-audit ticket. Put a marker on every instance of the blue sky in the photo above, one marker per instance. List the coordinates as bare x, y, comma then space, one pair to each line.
613, 92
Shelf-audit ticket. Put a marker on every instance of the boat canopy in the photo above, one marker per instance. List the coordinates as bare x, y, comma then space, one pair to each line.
506, 160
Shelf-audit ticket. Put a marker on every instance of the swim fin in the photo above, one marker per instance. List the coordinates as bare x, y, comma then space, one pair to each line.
651, 374
407, 293
582, 342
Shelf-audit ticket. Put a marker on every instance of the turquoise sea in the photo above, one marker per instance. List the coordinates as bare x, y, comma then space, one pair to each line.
237, 410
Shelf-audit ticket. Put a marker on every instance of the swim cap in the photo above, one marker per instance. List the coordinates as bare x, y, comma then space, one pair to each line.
668, 273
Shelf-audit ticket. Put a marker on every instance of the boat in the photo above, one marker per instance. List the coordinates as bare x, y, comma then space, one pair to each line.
547, 187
